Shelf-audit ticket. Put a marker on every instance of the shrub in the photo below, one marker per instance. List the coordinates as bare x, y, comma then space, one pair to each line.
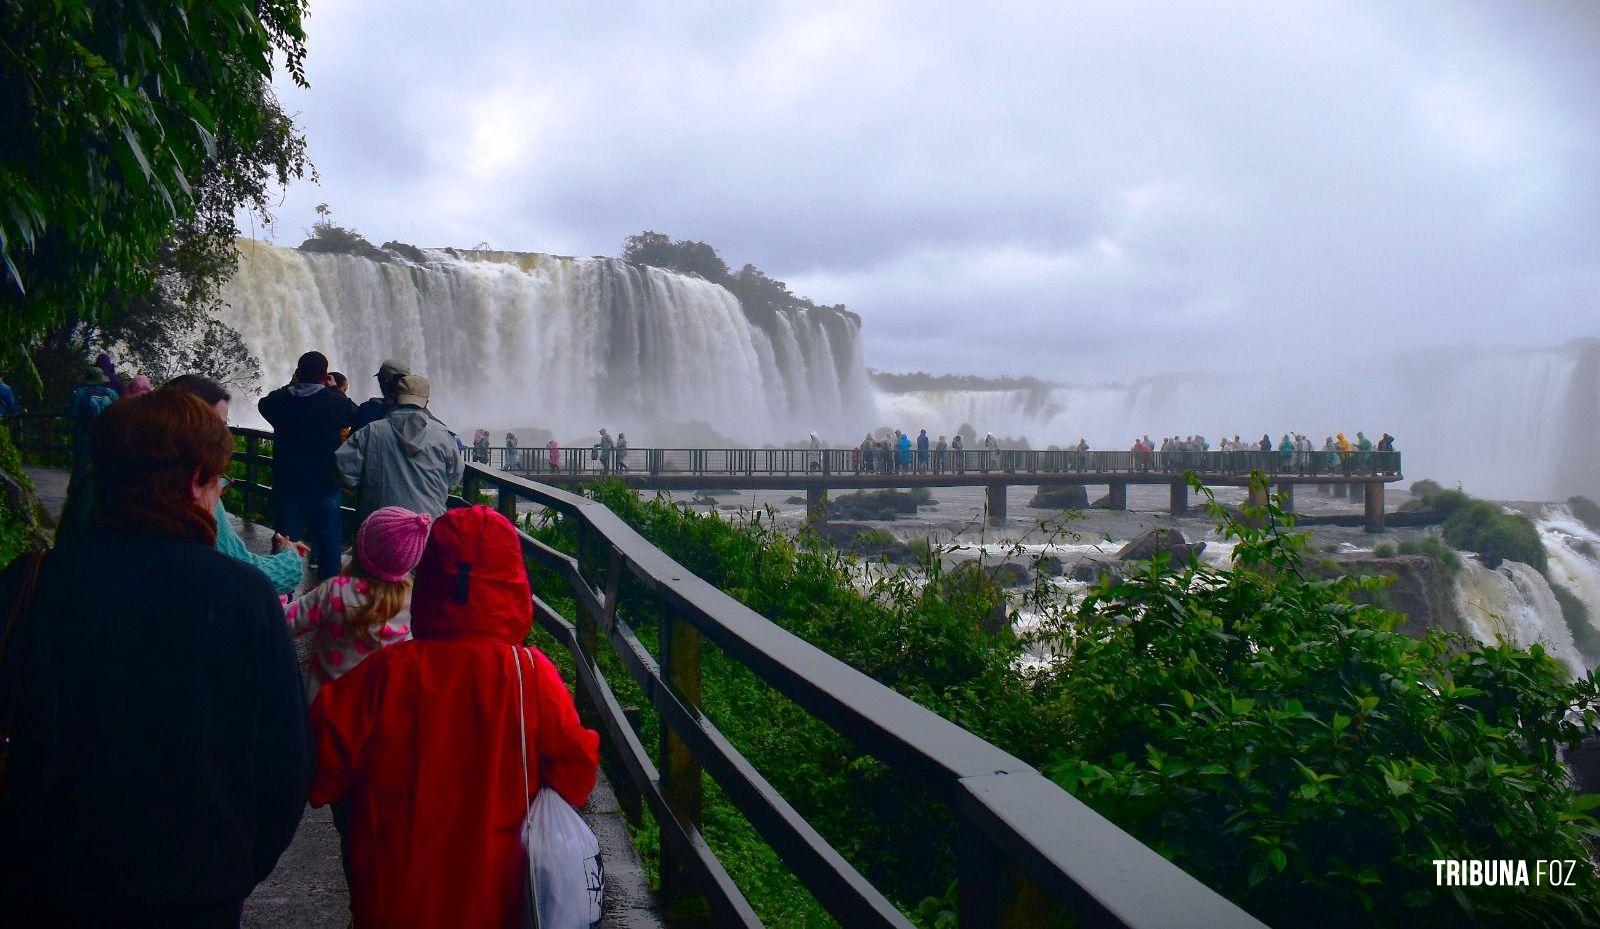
1425, 488
1584, 634
1296, 752
1479, 526
1285, 745
1385, 550
1435, 549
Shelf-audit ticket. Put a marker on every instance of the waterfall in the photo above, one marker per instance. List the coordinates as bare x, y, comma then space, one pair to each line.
1573, 550
1505, 423
513, 340
1514, 602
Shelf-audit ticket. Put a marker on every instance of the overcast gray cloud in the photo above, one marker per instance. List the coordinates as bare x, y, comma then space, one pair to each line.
1083, 191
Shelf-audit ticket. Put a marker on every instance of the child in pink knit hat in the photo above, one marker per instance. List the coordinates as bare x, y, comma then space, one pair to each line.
366, 606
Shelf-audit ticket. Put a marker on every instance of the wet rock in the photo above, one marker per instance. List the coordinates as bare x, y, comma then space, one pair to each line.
1418, 588
1010, 573
1060, 497
1161, 540
865, 542
879, 504
1092, 571
1585, 764
1050, 565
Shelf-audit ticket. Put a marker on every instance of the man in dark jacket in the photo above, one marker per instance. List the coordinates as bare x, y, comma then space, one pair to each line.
389, 375
307, 418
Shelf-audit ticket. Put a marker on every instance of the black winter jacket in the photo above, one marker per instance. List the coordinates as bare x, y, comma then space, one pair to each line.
161, 756
305, 436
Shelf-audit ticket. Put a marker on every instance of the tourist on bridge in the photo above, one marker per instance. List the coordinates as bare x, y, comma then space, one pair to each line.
991, 451
307, 419
1266, 443
367, 606
421, 741
553, 450
941, 452
1386, 443
480, 446
407, 459
89, 400
622, 451
1286, 452
922, 450
868, 445
958, 451
160, 756
513, 459
607, 448
389, 374
904, 444
1330, 454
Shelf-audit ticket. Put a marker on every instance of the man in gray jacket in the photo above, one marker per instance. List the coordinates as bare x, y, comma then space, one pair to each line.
408, 458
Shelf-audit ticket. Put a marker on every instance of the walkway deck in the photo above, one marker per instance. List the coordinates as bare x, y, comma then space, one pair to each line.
307, 889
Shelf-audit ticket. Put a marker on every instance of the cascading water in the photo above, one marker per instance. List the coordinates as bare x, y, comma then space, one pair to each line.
1508, 424
1514, 602
567, 344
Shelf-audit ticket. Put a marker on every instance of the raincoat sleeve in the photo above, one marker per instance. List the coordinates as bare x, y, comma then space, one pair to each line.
569, 754
284, 569
343, 718
458, 466
351, 454
306, 614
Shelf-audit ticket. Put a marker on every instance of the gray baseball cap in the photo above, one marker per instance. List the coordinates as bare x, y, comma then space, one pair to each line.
392, 368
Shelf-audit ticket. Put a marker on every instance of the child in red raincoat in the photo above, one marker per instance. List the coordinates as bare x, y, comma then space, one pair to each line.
420, 740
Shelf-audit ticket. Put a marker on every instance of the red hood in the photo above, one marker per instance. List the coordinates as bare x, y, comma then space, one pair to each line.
472, 580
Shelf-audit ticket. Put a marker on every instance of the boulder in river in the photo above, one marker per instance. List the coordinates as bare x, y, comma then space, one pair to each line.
1149, 544
865, 542
1060, 497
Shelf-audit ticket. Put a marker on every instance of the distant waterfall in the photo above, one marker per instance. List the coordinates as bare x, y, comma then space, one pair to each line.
567, 344
1505, 423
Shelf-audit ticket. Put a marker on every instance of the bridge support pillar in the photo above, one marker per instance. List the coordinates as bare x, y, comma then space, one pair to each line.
1341, 490
1117, 494
816, 505
1322, 489
1374, 500
1358, 493
997, 504
1286, 494
1178, 499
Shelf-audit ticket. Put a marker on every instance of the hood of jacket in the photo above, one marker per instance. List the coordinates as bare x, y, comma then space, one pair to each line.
410, 428
305, 390
472, 582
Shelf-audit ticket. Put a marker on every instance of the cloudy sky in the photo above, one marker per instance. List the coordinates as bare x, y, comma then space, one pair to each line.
1079, 191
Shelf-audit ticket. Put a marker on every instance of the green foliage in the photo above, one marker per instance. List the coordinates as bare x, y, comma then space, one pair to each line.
682, 255
116, 116
20, 519
1292, 750
1482, 527
1587, 511
1435, 549
329, 238
1385, 550
1576, 614
1425, 488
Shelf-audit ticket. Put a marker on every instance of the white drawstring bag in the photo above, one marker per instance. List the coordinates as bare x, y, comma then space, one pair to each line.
566, 881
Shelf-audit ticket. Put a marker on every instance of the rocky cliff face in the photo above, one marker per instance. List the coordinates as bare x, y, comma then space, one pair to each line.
1418, 589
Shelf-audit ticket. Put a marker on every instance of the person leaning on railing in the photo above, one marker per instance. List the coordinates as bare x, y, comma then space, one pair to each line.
158, 757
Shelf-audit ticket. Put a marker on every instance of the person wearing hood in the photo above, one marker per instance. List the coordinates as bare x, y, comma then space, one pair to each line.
513, 459
1330, 452
389, 374
1286, 452
103, 362
423, 744
89, 400
904, 446
308, 419
407, 459
922, 450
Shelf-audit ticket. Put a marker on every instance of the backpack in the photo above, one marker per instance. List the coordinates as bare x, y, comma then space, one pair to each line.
92, 404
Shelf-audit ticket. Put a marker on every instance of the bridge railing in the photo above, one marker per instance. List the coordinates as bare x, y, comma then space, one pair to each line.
46, 437
1015, 828
710, 462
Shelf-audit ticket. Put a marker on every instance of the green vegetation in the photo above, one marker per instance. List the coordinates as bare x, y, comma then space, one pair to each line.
21, 521
1425, 488
133, 135
1587, 511
1429, 546
1479, 526
1584, 634
1284, 744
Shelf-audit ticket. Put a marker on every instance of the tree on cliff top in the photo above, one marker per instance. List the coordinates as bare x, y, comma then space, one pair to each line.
129, 136
660, 251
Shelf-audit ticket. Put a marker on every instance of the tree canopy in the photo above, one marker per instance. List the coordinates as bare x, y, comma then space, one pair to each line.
129, 135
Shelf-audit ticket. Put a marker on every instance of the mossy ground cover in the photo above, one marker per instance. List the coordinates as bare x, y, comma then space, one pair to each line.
1284, 744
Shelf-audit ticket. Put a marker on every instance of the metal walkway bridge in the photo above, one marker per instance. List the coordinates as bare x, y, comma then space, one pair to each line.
1358, 475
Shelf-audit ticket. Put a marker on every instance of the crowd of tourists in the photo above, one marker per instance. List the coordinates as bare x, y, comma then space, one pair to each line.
158, 739
1294, 452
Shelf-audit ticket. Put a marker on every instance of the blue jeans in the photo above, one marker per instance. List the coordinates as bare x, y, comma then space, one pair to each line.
312, 516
